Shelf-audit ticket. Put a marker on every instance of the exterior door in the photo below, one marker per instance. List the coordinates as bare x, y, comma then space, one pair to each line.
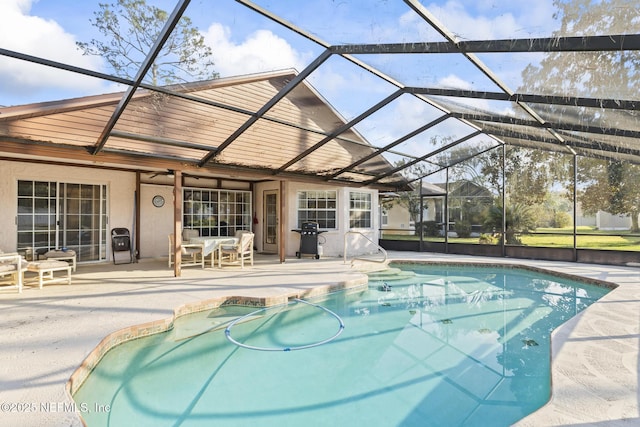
270, 223
56, 214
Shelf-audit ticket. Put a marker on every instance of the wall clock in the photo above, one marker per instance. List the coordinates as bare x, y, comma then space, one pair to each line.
158, 201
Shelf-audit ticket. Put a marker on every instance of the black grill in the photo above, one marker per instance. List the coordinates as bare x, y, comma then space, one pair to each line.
308, 239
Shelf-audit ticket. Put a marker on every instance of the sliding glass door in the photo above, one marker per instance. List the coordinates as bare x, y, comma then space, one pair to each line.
56, 215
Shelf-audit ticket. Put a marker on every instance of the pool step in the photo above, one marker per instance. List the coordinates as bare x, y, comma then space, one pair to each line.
390, 274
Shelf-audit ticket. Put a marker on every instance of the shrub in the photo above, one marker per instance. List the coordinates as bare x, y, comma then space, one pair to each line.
462, 228
562, 220
428, 228
486, 239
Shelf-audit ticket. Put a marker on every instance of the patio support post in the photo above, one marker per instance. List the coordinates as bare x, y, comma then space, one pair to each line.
136, 220
446, 211
281, 224
177, 223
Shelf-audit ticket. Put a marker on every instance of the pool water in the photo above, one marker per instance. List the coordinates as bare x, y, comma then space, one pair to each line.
436, 346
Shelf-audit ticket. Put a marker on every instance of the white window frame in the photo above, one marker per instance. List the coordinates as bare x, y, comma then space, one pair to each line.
359, 206
317, 206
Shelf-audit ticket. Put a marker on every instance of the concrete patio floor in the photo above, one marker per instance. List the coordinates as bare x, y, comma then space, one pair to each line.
48, 333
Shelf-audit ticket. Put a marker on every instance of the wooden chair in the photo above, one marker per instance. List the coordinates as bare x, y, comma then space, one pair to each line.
237, 253
188, 234
192, 253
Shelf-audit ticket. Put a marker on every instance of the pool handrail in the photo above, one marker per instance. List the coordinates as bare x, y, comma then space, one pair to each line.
380, 248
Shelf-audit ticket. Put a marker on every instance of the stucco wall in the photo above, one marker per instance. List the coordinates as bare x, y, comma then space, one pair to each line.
156, 223
120, 186
334, 240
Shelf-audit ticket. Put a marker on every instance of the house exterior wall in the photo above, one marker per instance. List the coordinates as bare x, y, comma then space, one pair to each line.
120, 188
155, 223
333, 241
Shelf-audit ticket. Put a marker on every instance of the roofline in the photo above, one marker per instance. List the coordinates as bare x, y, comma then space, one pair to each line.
71, 104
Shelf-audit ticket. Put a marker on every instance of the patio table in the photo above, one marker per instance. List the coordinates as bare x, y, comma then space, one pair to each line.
211, 244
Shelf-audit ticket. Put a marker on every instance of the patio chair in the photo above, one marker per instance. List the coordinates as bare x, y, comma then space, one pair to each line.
12, 264
188, 234
192, 253
237, 253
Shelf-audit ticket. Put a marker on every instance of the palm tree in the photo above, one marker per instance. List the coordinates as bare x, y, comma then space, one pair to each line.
519, 219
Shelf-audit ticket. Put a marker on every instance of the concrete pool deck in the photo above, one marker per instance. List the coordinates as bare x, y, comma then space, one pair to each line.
48, 333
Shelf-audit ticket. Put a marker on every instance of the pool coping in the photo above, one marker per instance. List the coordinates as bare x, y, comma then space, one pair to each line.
512, 265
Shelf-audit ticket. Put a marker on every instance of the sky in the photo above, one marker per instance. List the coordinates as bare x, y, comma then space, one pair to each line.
244, 42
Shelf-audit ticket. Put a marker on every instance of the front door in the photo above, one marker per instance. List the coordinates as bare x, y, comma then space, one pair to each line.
270, 225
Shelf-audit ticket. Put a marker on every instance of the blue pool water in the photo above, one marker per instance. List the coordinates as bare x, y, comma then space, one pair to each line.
443, 346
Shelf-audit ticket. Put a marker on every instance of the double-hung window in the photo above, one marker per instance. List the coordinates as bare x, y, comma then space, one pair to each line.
318, 206
359, 210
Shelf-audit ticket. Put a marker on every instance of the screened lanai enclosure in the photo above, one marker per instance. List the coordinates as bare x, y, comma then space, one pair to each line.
495, 128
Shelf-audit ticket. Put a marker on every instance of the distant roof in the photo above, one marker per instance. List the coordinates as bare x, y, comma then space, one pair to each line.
429, 189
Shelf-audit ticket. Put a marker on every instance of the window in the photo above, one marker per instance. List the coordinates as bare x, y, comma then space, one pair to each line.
318, 206
55, 215
359, 210
217, 212
384, 217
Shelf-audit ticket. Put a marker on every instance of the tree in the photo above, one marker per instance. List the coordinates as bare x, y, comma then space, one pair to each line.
529, 174
130, 29
608, 185
519, 219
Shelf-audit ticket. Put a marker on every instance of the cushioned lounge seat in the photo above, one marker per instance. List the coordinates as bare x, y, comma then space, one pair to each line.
11, 265
45, 270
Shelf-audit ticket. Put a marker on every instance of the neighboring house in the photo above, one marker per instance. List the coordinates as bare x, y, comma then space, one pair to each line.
64, 184
466, 200
395, 215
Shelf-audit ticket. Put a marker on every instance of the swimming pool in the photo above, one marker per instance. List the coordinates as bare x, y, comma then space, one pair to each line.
439, 345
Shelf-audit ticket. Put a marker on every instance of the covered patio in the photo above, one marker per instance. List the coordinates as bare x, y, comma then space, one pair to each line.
425, 99
49, 332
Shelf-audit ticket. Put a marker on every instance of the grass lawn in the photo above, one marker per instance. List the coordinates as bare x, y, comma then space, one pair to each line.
588, 238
